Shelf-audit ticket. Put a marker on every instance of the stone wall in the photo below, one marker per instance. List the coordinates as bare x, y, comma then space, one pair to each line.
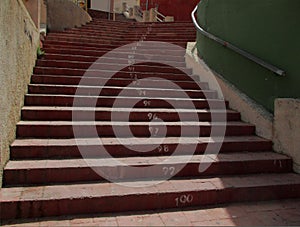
19, 39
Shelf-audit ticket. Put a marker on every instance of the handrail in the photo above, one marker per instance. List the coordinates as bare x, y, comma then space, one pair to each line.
236, 49
140, 12
159, 14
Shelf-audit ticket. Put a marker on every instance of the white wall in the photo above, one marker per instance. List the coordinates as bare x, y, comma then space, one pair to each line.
102, 5
119, 4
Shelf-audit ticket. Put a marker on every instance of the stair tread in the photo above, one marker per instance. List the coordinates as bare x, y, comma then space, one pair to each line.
125, 97
117, 109
121, 79
102, 190
122, 123
141, 161
133, 87
131, 141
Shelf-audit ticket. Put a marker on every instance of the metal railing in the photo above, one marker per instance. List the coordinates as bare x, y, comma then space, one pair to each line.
230, 46
140, 12
159, 16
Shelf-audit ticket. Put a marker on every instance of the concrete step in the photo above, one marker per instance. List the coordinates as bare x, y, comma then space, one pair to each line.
44, 172
23, 149
98, 65
104, 35
56, 200
121, 59
125, 34
123, 101
86, 129
125, 73
48, 113
97, 46
119, 82
90, 51
109, 44
133, 91
179, 29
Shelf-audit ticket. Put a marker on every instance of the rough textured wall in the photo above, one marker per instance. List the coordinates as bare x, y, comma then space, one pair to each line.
62, 14
180, 9
34, 9
287, 129
268, 29
19, 39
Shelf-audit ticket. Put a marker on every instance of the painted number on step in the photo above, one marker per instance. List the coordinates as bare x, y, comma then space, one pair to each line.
164, 148
184, 199
147, 103
142, 92
169, 171
152, 116
154, 131
131, 68
131, 61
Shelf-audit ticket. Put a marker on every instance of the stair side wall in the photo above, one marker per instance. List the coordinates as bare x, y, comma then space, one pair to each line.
283, 128
287, 129
62, 14
19, 39
267, 29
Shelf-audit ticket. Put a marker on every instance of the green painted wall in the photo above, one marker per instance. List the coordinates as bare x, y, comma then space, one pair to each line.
269, 29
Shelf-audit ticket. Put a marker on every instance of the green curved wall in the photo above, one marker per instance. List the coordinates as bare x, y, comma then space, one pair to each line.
269, 29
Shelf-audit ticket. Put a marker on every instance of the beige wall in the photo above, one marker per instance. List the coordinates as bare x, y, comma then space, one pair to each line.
19, 39
287, 129
102, 5
119, 4
43, 19
34, 9
62, 14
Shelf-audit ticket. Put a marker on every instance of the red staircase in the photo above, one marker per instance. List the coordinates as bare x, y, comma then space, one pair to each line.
46, 174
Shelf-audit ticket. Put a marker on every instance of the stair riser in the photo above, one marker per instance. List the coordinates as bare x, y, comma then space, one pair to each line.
113, 56
175, 29
102, 74
104, 21
62, 115
144, 67
174, 61
139, 202
109, 45
98, 34
84, 174
122, 41
69, 151
72, 80
176, 54
86, 131
98, 46
107, 91
135, 37
109, 102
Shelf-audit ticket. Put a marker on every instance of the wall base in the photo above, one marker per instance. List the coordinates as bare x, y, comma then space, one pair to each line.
283, 129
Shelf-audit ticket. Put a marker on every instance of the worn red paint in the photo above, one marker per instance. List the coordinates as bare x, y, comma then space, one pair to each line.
180, 9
